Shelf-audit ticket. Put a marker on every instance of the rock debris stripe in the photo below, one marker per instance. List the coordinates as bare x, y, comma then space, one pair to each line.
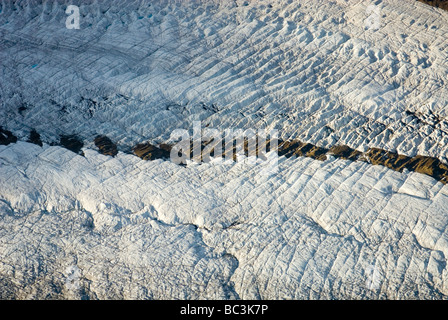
6, 137
430, 166
106, 146
443, 4
421, 164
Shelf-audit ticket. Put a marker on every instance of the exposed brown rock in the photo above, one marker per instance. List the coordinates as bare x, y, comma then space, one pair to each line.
147, 151
421, 164
106, 146
312, 151
345, 152
287, 148
6, 137
165, 147
388, 159
300, 149
72, 143
443, 4
35, 138
429, 166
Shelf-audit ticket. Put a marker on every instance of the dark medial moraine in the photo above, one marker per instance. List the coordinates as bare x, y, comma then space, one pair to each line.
35, 138
147, 151
6, 137
106, 146
72, 143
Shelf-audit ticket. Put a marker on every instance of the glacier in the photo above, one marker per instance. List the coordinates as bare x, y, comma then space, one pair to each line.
93, 226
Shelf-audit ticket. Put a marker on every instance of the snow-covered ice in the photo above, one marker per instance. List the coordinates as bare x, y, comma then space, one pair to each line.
126, 228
